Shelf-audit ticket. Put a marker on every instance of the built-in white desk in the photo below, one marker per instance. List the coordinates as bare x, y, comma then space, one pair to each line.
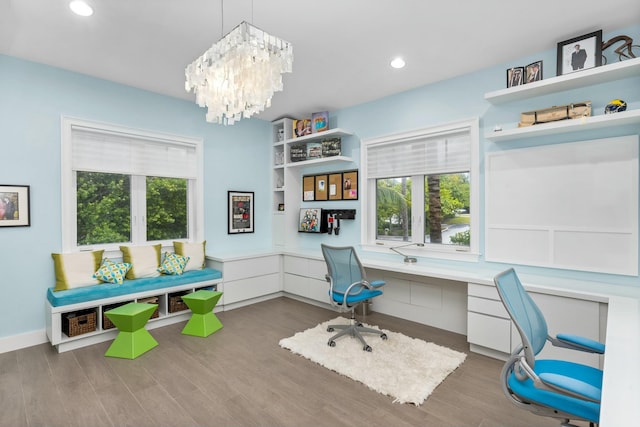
621, 389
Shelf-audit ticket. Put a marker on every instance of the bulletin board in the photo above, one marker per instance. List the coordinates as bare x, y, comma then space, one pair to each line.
341, 185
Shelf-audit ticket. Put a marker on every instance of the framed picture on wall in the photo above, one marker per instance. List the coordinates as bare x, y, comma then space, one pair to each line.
15, 208
580, 53
335, 186
322, 187
240, 212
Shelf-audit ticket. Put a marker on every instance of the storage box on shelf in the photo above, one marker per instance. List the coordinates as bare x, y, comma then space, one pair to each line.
79, 322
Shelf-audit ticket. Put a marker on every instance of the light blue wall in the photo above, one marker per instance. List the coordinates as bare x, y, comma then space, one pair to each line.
34, 97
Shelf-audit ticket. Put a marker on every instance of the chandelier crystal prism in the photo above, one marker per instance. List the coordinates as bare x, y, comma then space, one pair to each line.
237, 77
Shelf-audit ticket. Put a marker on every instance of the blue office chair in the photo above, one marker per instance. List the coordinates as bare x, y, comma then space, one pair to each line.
348, 288
551, 388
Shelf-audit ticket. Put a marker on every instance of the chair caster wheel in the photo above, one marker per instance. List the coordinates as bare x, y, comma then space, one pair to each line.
329, 329
331, 343
368, 348
384, 336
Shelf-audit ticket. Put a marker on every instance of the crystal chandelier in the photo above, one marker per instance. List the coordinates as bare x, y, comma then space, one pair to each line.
239, 74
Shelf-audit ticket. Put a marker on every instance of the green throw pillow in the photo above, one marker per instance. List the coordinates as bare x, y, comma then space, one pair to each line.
76, 270
173, 263
112, 272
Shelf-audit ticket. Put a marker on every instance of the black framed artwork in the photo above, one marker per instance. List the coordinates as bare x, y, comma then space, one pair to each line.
240, 212
15, 206
580, 53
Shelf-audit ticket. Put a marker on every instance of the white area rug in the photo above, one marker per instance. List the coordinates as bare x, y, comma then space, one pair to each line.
407, 369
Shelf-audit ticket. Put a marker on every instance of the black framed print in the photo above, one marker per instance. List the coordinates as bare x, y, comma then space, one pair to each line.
240, 212
580, 53
15, 206
533, 72
515, 76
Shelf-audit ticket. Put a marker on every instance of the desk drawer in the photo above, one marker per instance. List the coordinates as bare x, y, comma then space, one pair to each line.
487, 306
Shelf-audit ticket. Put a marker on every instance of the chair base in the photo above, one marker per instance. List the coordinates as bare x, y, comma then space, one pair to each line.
354, 329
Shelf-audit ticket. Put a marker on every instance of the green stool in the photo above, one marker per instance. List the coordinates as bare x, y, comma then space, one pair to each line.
203, 322
133, 339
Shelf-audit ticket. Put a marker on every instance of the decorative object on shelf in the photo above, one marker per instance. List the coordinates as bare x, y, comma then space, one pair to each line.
314, 150
497, 128
239, 74
562, 112
298, 152
240, 212
281, 207
279, 158
331, 147
320, 121
615, 106
624, 51
580, 53
533, 72
280, 135
515, 76
310, 220
301, 127
14, 206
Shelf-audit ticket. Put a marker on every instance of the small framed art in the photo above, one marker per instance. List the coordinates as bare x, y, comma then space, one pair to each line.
533, 72
240, 212
15, 206
515, 76
580, 53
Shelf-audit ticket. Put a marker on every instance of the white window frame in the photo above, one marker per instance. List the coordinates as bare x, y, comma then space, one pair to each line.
195, 190
368, 223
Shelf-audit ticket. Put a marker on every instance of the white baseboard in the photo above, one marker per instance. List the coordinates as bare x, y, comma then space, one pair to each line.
16, 342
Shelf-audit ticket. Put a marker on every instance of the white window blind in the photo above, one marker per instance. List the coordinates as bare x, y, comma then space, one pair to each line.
447, 153
97, 150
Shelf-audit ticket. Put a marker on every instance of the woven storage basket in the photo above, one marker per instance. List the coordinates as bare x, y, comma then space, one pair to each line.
106, 323
151, 300
176, 303
79, 322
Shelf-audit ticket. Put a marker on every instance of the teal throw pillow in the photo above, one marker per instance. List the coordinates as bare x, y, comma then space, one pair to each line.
112, 272
173, 263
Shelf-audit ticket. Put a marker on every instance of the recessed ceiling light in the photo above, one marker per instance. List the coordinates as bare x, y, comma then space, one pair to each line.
398, 63
81, 8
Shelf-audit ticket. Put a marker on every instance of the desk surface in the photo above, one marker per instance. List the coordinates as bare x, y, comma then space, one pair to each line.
621, 388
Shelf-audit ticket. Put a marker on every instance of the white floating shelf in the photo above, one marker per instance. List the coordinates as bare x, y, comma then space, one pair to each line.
605, 73
322, 160
565, 126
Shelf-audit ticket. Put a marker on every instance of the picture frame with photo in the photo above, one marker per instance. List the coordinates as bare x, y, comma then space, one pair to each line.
580, 53
15, 206
310, 220
240, 212
515, 76
533, 72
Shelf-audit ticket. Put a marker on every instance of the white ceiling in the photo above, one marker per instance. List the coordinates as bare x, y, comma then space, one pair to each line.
342, 48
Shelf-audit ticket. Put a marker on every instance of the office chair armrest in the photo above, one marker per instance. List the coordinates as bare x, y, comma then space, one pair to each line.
576, 342
377, 283
572, 386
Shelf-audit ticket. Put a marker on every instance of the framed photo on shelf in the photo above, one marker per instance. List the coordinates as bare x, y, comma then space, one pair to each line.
281, 207
350, 185
580, 53
240, 212
533, 72
15, 207
515, 76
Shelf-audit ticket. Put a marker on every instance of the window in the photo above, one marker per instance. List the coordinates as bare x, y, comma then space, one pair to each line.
128, 186
420, 189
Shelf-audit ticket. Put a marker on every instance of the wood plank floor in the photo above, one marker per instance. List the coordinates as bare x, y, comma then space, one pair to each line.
240, 376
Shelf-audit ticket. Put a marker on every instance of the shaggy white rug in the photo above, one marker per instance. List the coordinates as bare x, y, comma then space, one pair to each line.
407, 369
